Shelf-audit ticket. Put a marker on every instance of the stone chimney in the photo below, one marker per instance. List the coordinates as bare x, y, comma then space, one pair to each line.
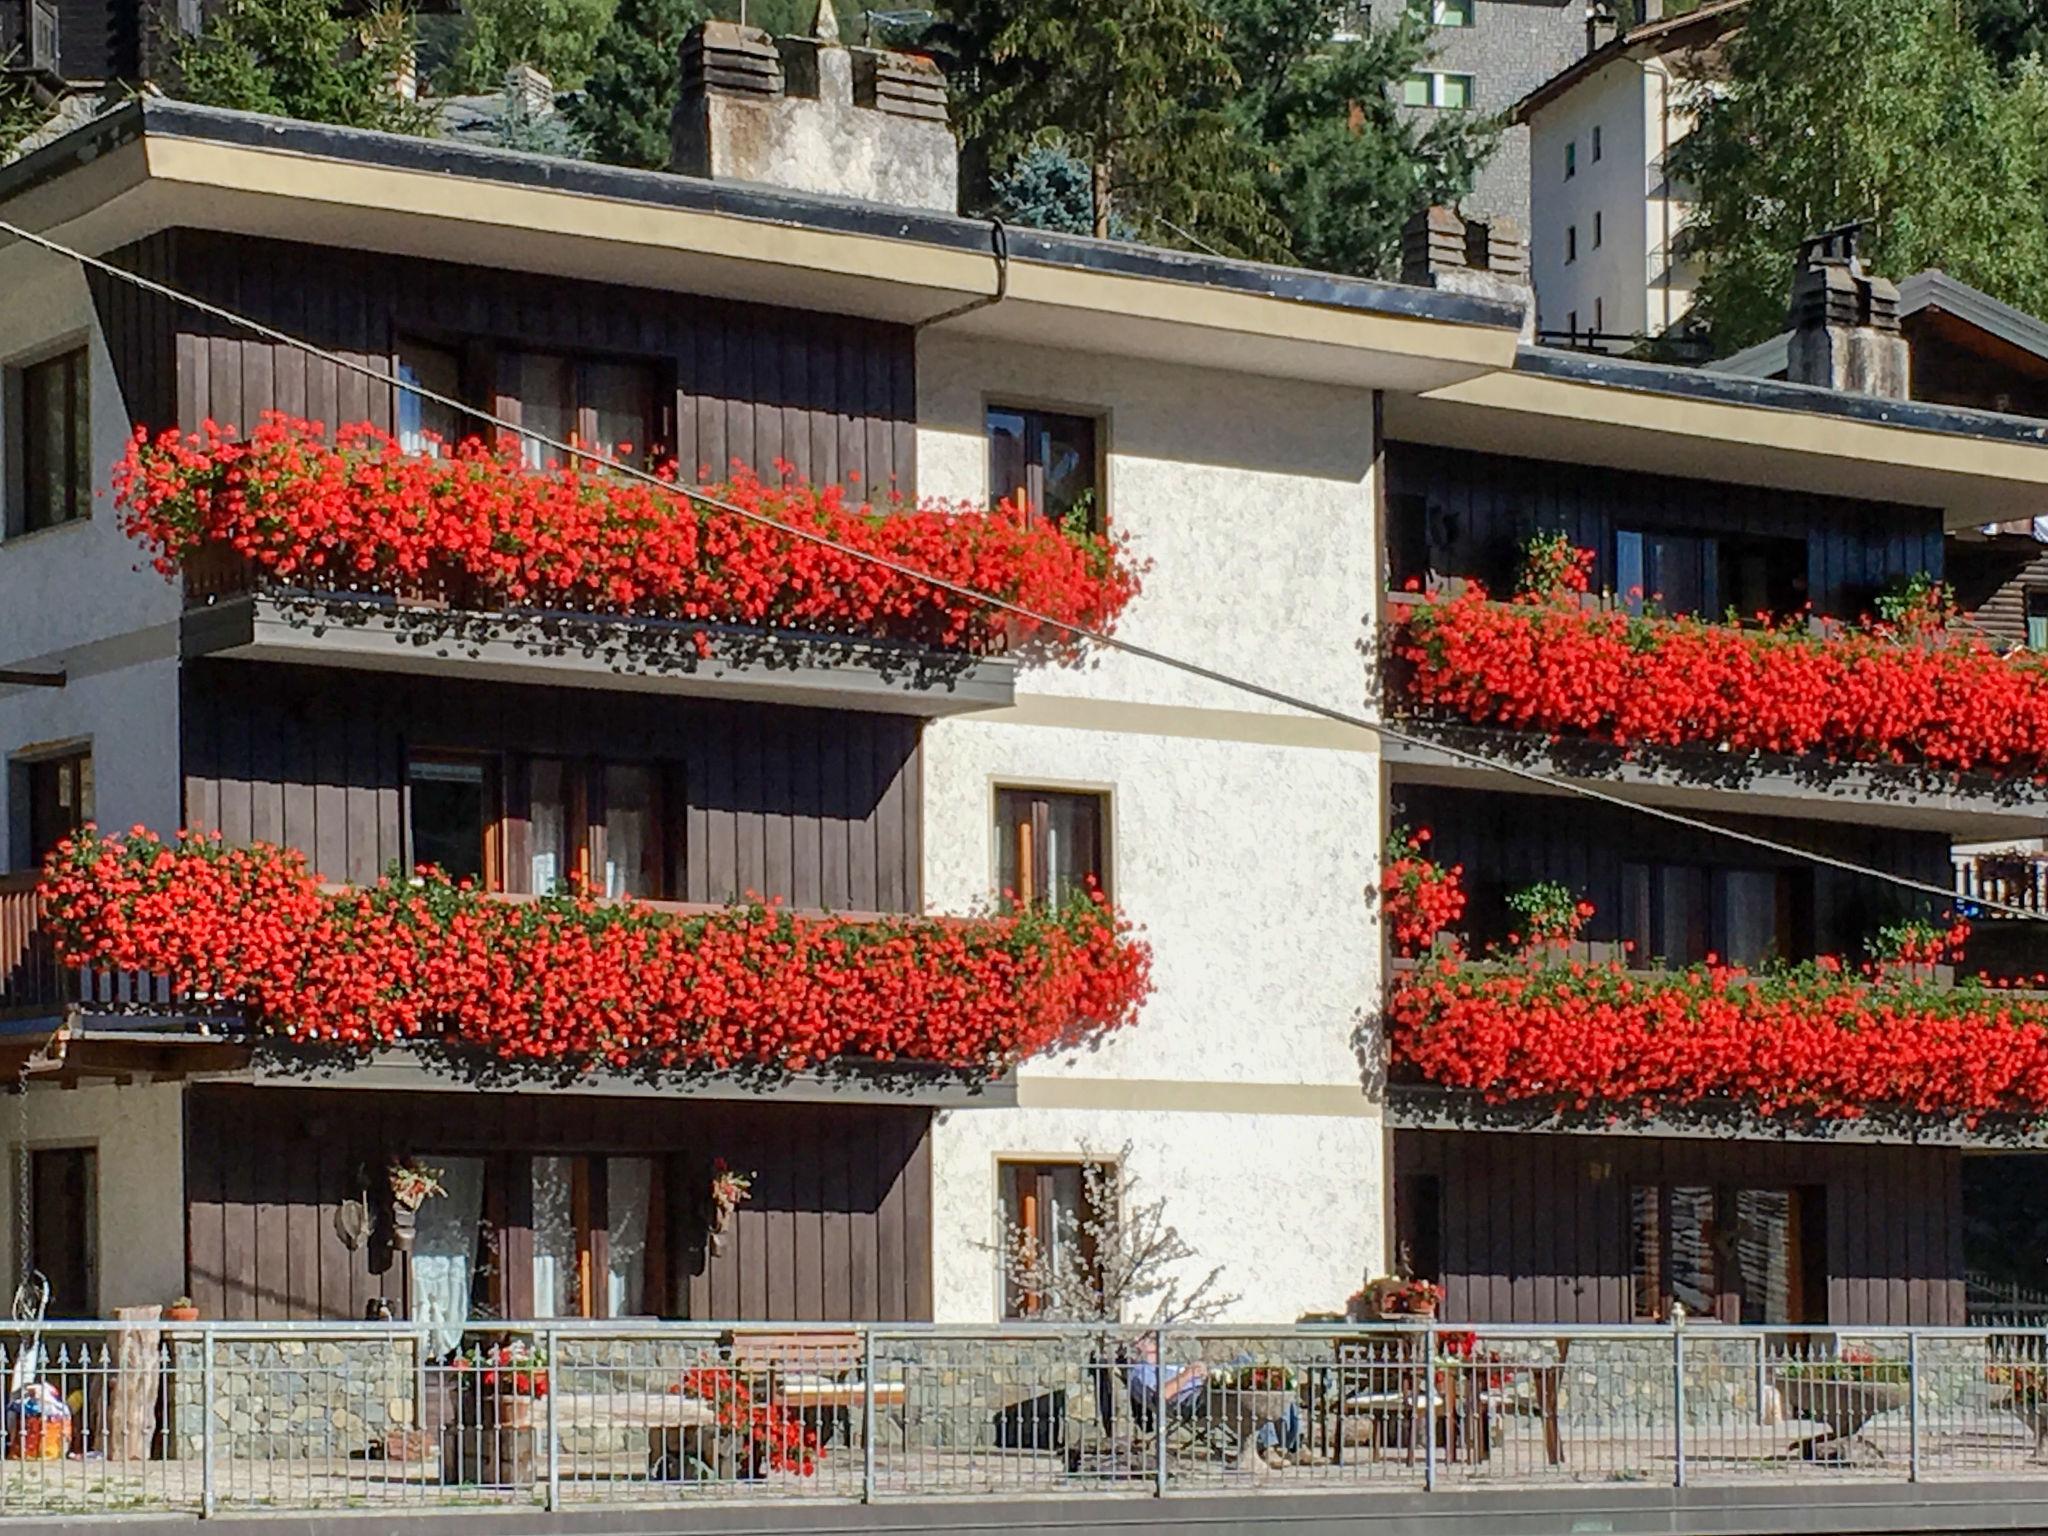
1441, 248
812, 115
1845, 322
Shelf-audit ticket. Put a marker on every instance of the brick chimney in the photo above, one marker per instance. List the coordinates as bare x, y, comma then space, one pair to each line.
1441, 248
1845, 322
812, 115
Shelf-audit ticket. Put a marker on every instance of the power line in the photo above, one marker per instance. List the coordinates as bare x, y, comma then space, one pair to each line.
1097, 637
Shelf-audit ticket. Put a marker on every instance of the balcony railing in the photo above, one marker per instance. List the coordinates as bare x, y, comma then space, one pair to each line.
33, 985
2008, 880
222, 1417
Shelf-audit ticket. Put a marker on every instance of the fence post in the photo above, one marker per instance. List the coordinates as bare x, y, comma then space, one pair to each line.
551, 1353
1677, 1404
206, 1491
1159, 1412
867, 1414
1913, 1407
1428, 1426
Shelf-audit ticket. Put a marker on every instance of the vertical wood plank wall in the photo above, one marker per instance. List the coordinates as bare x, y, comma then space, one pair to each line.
838, 1226
1479, 506
822, 808
1534, 1227
833, 395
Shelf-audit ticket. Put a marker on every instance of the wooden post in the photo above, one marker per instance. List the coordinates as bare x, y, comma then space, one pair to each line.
131, 1415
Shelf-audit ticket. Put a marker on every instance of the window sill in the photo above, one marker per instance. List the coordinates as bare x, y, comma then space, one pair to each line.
31, 535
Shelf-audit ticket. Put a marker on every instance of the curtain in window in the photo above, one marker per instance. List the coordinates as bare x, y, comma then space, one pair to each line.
555, 1238
628, 831
629, 1186
444, 1253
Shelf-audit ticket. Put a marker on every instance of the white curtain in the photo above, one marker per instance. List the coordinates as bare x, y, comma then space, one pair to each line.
554, 1238
444, 1251
629, 1181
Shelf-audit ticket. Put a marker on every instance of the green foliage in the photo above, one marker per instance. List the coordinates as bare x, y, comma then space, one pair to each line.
557, 37
537, 133
304, 59
2011, 31
1138, 89
20, 113
1046, 187
626, 108
1341, 167
1884, 110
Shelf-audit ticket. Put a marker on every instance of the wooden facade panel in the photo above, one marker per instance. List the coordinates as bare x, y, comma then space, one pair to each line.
316, 759
1470, 512
832, 395
267, 1168
1557, 1206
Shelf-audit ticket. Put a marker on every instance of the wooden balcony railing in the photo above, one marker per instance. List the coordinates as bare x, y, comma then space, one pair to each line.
33, 984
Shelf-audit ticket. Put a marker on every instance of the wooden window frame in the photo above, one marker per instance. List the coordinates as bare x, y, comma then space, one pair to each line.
659, 416
1041, 829
591, 1216
2033, 609
493, 765
1808, 1208
583, 820
1034, 486
1034, 1205
22, 518
25, 795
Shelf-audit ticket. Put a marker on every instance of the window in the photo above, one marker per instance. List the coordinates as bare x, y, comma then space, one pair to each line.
1049, 1205
594, 1240
1047, 462
423, 422
1444, 13
1571, 242
1049, 844
1432, 88
53, 432
1571, 159
2037, 619
1678, 914
630, 849
57, 796
1689, 573
453, 817
1596, 143
1599, 229
607, 406
603, 822
1750, 1255
64, 1227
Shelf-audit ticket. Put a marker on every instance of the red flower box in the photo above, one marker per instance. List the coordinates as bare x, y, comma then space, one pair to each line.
570, 979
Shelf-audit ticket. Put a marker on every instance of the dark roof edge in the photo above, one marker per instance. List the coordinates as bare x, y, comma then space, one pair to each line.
1616, 48
182, 120
1931, 289
1777, 394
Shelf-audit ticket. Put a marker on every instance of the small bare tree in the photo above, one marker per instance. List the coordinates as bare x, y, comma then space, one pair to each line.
1117, 1261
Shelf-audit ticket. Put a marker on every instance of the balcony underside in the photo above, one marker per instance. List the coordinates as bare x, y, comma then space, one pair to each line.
594, 651
1968, 808
95, 1041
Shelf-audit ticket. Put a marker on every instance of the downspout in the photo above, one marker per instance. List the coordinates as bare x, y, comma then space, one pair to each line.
999, 247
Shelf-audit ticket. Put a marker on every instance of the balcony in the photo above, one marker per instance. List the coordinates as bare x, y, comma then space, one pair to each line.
471, 563
558, 989
29, 38
1920, 729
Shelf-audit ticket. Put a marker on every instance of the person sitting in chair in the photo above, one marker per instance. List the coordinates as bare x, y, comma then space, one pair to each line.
1179, 1388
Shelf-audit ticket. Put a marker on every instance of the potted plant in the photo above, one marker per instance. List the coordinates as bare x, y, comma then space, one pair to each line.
491, 1441
413, 1184
728, 1191
1392, 1296
1844, 1393
181, 1311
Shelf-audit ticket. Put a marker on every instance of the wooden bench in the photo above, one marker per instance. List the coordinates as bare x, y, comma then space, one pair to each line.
808, 1371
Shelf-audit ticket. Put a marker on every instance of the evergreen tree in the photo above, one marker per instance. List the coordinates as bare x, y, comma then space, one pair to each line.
1881, 110
302, 58
1341, 166
627, 106
557, 37
2011, 31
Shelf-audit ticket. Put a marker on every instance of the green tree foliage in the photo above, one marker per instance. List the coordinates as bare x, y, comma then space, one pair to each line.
1341, 167
304, 59
20, 113
557, 37
2011, 31
1882, 110
1137, 89
626, 107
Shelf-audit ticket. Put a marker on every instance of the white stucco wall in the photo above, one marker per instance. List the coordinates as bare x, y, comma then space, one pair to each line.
1615, 271
1244, 839
138, 1132
72, 597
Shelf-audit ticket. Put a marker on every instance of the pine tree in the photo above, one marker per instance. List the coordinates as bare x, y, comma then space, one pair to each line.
627, 106
1880, 110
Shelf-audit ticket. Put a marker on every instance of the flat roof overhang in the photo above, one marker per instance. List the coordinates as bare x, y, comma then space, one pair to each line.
1969, 809
588, 651
1976, 466
157, 165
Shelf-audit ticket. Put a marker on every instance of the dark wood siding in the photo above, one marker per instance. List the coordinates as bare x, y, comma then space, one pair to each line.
1476, 508
1507, 841
833, 395
1992, 583
820, 808
837, 1188
1534, 1227
140, 329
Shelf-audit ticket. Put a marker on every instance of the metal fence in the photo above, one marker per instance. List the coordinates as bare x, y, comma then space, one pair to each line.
214, 1417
